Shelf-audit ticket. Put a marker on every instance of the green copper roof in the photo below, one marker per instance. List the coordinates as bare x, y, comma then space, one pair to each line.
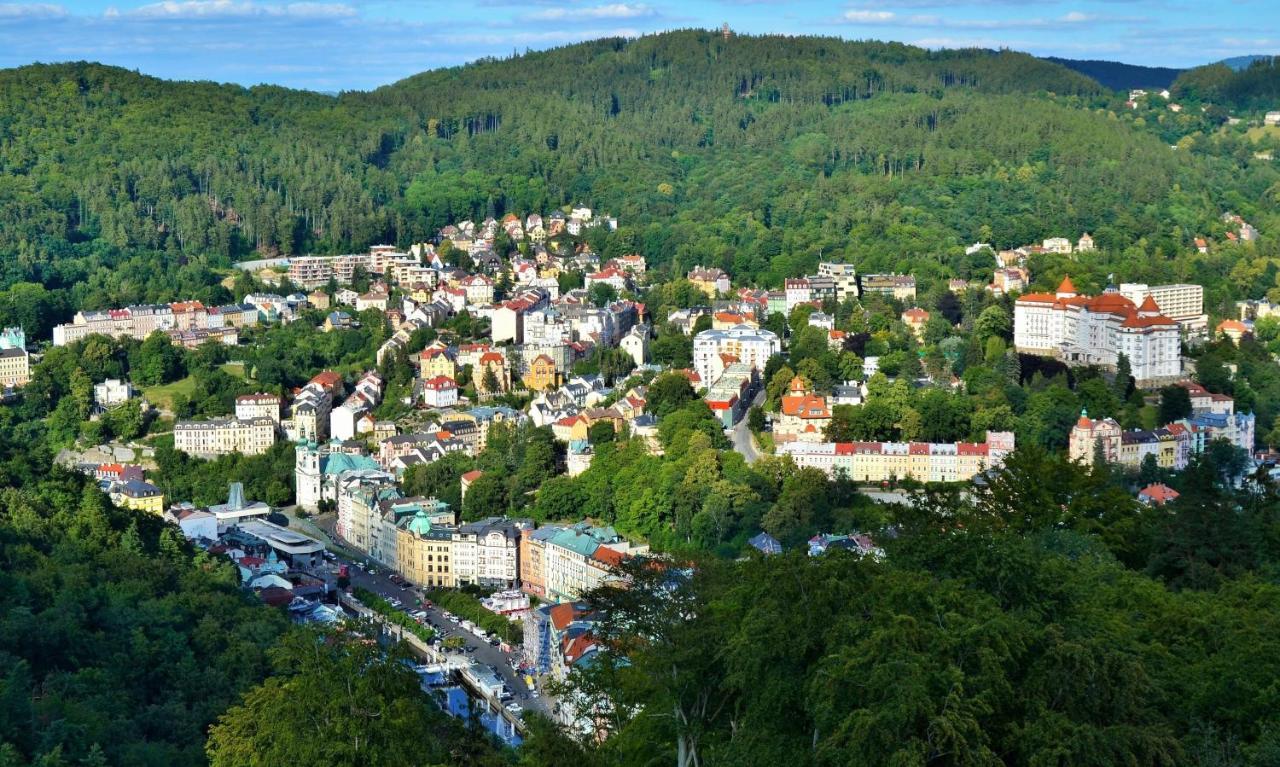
420, 524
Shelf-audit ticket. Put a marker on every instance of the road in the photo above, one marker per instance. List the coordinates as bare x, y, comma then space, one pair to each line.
481, 652
743, 440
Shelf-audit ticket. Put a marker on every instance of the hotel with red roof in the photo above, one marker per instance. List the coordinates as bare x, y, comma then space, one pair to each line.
1096, 330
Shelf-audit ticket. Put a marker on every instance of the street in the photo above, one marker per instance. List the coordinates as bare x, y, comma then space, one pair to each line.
743, 440
480, 652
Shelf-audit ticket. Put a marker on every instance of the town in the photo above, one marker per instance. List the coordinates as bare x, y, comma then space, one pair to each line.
552, 353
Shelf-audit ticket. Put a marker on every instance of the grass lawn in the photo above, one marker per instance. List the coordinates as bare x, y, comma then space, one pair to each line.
235, 369
162, 396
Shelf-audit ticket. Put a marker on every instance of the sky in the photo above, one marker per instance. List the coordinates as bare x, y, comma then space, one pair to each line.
333, 45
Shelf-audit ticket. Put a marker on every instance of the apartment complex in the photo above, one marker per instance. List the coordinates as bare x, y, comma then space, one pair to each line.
844, 277
224, 436
714, 350
140, 321
253, 406
886, 461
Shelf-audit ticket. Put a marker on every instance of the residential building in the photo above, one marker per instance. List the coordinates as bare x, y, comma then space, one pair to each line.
845, 277
485, 553
424, 552
636, 344
1057, 245
137, 495
251, 406
899, 286
803, 415
440, 392
916, 319
710, 280
15, 361
752, 346
224, 436
730, 396
112, 393
886, 461
436, 361
1157, 495
542, 374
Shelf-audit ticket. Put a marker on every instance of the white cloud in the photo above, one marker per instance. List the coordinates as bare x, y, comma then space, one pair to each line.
611, 11
31, 11
934, 21
869, 17
194, 9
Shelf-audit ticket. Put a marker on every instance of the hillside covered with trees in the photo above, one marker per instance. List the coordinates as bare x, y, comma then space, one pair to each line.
752, 153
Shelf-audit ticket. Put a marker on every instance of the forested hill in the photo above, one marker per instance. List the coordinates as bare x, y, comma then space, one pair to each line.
754, 153
1119, 76
1255, 87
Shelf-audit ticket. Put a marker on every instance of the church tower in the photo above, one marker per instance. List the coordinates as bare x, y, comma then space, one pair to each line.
307, 475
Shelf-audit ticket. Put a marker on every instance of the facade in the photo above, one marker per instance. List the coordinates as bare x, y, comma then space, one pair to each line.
542, 374
731, 395
112, 393
188, 322
251, 406
710, 280
803, 415
319, 469
636, 344
138, 495
15, 362
899, 286
224, 436
1173, 445
440, 392
424, 552
1183, 303
1096, 330
845, 277
485, 553
751, 346
887, 461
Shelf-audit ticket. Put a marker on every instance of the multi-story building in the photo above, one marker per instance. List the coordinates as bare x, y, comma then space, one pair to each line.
532, 559
1183, 303
713, 350
251, 406
189, 323
845, 277
731, 395
358, 497
1096, 330
710, 280
425, 551
636, 344
485, 553
310, 272
803, 416
542, 374
899, 286
137, 495
885, 461
224, 436
1172, 445
798, 292
573, 563
15, 361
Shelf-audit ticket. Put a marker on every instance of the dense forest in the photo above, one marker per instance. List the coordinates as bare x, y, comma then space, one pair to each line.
1256, 86
1119, 76
758, 154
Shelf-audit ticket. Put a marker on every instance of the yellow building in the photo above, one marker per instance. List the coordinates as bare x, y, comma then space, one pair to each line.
435, 362
139, 496
424, 552
542, 374
497, 363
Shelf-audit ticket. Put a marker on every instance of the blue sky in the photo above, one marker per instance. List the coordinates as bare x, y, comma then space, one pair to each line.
358, 44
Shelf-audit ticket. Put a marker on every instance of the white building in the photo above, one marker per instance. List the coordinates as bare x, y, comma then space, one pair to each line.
713, 350
485, 553
251, 406
1096, 330
636, 344
224, 436
845, 277
1182, 302
440, 392
112, 392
